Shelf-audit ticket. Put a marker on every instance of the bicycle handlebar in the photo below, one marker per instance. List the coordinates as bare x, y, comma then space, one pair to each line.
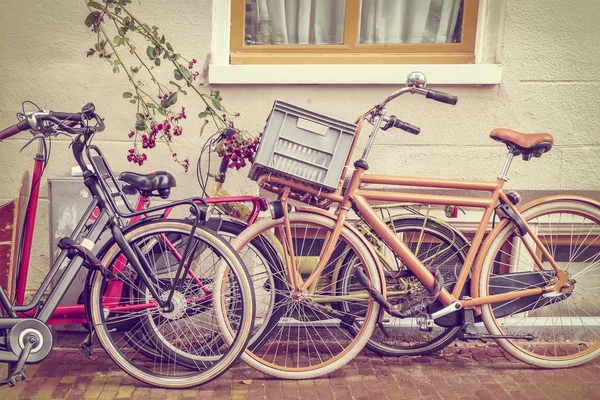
64, 121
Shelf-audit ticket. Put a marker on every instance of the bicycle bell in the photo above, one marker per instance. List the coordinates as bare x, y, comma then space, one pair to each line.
416, 79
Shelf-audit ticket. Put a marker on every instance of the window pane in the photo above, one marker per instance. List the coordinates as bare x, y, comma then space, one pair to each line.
282, 22
410, 21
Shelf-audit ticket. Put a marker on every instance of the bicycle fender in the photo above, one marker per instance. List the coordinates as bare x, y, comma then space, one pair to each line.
557, 198
357, 233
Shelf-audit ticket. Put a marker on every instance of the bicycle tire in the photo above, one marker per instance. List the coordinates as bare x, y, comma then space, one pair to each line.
159, 374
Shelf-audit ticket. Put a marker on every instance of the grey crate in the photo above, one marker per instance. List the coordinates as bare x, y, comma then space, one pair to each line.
303, 145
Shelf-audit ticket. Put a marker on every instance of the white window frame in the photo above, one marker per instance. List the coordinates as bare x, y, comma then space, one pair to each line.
485, 70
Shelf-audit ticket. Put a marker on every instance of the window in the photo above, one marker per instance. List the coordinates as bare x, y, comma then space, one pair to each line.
353, 31
450, 41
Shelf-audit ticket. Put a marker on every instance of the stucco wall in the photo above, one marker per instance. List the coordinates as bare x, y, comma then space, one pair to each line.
550, 83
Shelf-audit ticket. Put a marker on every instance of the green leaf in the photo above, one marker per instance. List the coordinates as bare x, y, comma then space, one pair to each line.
95, 4
172, 99
216, 104
139, 117
162, 111
133, 101
178, 76
203, 114
115, 69
174, 57
169, 46
175, 83
183, 91
162, 39
140, 126
150, 52
127, 95
157, 61
92, 18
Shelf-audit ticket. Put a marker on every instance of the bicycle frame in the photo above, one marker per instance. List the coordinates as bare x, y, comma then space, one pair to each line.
359, 200
76, 314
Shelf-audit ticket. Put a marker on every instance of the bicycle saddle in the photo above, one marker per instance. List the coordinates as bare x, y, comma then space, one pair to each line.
527, 144
146, 184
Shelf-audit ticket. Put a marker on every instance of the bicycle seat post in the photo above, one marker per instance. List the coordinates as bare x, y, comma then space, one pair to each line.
507, 163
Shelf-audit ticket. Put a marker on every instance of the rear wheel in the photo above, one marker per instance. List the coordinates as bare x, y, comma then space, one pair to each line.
436, 246
564, 324
188, 349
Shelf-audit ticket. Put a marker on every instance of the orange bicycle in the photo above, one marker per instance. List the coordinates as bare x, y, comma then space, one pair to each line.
533, 281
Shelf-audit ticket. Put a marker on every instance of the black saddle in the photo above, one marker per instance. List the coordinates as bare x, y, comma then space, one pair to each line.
160, 181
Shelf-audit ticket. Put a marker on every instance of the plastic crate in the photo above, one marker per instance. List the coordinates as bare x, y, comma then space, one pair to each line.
303, 145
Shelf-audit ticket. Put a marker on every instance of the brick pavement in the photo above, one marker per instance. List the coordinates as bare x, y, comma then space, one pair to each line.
458, 372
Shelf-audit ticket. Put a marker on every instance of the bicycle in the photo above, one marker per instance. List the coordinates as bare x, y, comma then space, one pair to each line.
390, 337
156, 279
510, 281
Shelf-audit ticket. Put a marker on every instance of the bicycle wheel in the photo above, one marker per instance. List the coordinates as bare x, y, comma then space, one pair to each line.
266, 273
188, 347
311, 337
565, 324
435, 245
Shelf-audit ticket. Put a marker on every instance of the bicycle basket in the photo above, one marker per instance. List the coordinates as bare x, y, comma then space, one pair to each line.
303, 145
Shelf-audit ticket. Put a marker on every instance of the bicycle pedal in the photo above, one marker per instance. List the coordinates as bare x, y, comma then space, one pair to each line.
425, 323
16, 378
87, 351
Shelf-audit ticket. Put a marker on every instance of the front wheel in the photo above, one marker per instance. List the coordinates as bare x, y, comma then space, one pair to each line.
186, 340
565, 324
309, 336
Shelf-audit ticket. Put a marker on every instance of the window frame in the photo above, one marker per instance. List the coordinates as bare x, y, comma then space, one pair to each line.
352, 52
484, 71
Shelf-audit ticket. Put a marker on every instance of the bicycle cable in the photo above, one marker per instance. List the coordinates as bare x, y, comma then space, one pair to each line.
199, 174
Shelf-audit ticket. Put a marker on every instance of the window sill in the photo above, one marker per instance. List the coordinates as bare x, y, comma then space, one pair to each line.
437, 74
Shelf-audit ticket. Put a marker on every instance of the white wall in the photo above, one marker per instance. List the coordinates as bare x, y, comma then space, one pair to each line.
550, 83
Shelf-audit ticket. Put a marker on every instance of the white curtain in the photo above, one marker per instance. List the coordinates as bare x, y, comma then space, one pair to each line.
382, 21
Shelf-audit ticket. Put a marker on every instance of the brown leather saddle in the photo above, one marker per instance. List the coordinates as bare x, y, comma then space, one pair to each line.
526, 144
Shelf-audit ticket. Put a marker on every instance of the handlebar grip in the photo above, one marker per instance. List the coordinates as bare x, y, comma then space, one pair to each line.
8, 132
13, 130
405, 126
442, 97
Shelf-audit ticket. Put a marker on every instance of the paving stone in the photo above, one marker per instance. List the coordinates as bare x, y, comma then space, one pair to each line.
460, 373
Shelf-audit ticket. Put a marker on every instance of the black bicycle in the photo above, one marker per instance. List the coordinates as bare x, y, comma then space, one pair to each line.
149, 299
